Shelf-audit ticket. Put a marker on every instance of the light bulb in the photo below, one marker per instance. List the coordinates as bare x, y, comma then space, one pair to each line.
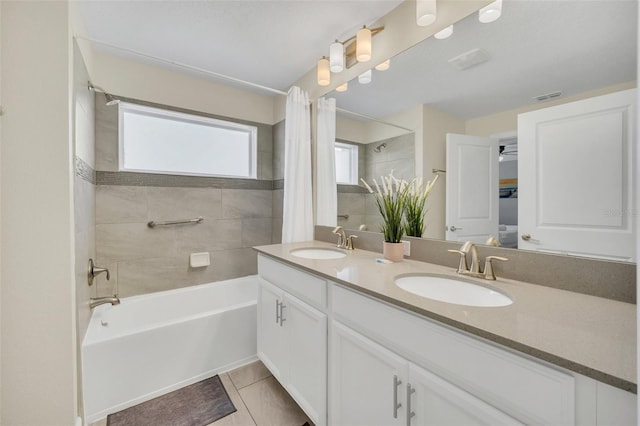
425, 12
384, 66
446, 33
336, 56
363, 45
342, 87
365, 77
324, 75
490, 12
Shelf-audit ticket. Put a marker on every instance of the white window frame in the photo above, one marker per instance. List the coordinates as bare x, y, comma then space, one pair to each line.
353, 160
186, 118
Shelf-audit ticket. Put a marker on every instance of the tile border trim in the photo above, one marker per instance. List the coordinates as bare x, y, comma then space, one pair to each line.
163, 180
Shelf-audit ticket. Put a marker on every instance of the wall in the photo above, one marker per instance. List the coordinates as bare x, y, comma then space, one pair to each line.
507, 121
278, 181
38, 294
84, 200
435, 126
238, 215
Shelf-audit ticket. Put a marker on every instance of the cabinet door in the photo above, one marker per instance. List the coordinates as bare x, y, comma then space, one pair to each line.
437, 402
271, 344
306, 333
362, 389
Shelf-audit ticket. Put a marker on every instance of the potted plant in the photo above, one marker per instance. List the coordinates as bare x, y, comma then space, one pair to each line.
414, 207
391, 200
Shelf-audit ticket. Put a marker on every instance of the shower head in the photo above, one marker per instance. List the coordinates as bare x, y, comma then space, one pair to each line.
380, 147
111, 100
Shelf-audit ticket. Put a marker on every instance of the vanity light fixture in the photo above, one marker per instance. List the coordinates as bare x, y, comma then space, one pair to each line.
324, 75
445, 33
425, 12
342, 87
365, 77
384, 66
336, 56
363, 44
490, 12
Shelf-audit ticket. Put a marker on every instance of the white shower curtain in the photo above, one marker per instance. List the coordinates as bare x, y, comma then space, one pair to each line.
297, 213
326, 189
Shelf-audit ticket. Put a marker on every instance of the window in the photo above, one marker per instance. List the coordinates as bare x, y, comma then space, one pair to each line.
159, 141
346, 163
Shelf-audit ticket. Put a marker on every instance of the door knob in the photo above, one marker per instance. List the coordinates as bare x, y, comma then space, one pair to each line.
526, 237
452, 228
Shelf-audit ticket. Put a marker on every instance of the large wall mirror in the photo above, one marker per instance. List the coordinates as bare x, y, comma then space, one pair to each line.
529, 121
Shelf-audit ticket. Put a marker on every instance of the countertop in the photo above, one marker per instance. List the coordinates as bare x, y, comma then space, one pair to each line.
589, 335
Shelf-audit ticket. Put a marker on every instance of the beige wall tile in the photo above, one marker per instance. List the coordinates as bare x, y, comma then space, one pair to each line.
278, 202
246, 203
103, 287
351, 204
276, 230
121, 204
106, 135
210, 235
134, 241
235, 263
256, 232
183, 203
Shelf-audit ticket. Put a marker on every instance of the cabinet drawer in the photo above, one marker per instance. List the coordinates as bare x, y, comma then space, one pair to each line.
527, 390
305, 286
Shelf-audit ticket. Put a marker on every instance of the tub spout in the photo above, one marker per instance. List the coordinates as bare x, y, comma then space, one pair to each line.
93, 302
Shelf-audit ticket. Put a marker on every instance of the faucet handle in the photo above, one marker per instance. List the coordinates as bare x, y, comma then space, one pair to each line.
339, 231
350, 242
93, 270
488, 266
462, 266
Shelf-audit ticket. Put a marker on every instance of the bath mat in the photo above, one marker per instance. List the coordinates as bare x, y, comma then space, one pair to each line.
195, 405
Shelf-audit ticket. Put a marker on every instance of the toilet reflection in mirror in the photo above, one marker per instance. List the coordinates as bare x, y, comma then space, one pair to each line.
555, 101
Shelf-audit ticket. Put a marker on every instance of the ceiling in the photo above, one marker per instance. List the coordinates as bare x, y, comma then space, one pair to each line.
535, 47
271, 43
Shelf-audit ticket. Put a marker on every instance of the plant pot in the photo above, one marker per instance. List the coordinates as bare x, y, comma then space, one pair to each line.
393, 251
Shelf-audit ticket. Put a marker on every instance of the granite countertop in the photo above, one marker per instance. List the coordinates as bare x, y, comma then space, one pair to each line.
589, 335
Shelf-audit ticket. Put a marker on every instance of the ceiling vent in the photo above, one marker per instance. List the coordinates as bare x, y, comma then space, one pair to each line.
470, 59
547, 96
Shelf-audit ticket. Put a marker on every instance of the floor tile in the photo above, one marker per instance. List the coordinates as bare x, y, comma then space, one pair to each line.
240, 417
102, 422
269, 404
249, 374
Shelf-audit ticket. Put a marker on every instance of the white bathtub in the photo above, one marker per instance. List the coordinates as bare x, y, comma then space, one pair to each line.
150, 345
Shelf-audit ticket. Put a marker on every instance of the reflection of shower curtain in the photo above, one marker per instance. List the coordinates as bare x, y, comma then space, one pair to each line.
326, 189
297, 213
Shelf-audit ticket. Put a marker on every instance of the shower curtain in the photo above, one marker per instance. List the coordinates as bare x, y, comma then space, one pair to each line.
297, 213
326, 189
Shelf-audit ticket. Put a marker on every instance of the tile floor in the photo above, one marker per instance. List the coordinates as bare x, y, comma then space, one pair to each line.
259, 399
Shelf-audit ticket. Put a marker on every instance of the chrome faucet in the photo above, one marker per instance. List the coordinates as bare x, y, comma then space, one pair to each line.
93, 302
474, 271
344, 241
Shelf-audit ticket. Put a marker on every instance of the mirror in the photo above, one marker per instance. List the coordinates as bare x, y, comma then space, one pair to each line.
536, 55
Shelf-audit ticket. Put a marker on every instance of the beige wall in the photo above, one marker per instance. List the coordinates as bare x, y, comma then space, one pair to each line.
38, 303
436, 124
507, 121
150, 83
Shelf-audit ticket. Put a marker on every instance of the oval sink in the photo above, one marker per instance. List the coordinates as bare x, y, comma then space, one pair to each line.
318, 253
451, 290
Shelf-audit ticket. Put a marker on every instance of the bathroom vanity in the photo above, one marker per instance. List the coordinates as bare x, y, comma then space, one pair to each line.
352, 347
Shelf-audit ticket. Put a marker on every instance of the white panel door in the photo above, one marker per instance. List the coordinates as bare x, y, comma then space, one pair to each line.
271, 337
472, 188
436, 402
576, 177
306, 330
367, 381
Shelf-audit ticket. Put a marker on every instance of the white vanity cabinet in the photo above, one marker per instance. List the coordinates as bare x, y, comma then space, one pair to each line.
292, 334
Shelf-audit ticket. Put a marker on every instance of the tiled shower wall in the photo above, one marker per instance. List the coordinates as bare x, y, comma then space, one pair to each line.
357, 203
239, 214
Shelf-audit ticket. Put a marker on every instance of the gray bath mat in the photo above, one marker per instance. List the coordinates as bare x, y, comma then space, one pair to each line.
196, 405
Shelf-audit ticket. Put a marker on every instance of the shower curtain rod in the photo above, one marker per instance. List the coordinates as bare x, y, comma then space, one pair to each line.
222, 76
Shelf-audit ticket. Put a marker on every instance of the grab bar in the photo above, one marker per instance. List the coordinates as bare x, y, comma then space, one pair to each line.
153, 224
343, 216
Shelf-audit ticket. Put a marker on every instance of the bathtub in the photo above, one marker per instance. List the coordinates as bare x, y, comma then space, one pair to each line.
152, 344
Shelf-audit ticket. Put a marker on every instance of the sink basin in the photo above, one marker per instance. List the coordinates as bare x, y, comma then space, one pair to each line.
318, 253
452, 290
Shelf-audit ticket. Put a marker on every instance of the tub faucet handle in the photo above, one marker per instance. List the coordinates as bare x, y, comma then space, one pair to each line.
94, 270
